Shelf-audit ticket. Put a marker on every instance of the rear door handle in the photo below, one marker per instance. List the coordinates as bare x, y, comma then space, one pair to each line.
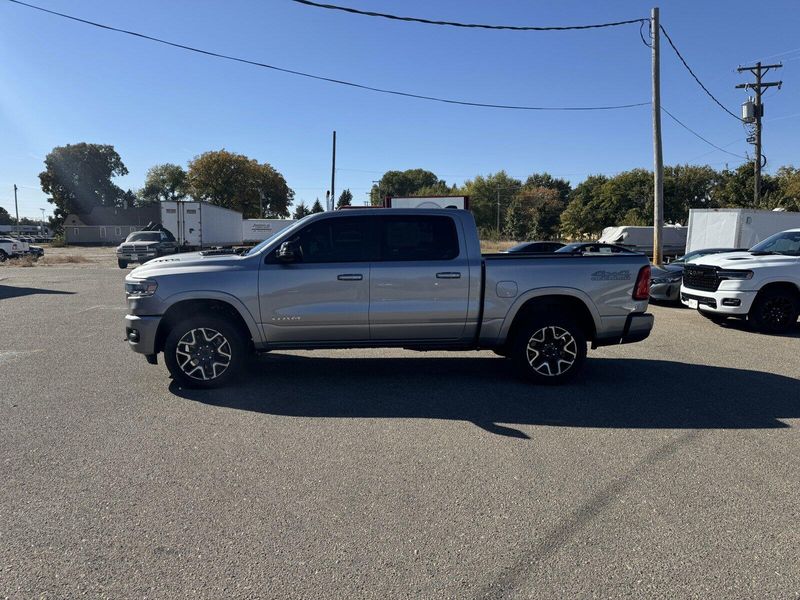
449, 275
350, 277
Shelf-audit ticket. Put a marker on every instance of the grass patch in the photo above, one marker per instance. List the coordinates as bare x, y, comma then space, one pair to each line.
56, 259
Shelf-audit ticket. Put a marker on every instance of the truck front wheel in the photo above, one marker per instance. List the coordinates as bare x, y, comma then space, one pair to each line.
549, 350
775, 311
204, 351
122, 264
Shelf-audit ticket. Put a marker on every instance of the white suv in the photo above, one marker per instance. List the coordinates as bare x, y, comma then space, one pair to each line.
762, 284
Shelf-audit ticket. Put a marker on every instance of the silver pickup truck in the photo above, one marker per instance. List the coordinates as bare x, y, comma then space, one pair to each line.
360, 278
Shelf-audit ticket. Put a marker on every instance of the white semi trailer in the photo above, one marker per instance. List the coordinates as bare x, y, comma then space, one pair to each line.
198, 224
735, 227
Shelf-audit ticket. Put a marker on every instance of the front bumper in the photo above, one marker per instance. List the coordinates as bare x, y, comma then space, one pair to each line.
637, 328
140, 332
139, 257
665, 292
724, 302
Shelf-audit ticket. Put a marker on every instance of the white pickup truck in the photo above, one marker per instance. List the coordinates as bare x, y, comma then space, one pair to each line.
761, 285
9, 248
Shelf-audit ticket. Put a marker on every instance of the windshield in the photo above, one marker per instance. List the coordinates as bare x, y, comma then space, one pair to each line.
144, 236
569, 248
261, 245
786, 242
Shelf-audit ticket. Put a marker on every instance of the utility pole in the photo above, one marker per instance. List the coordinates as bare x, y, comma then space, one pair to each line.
41, 228
498, 212
333, 173
16, 207
658, 157
754, 116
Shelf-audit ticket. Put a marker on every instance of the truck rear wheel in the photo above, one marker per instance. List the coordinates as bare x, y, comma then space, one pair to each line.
775, 311
549, 350
204, 351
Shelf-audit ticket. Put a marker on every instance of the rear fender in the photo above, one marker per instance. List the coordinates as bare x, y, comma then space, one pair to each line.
522, 300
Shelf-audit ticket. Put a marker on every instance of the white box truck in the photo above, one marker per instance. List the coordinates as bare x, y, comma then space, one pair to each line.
257, 230
198, 224
640, 238
735, 227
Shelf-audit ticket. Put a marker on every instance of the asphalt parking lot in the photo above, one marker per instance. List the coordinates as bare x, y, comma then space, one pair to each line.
670, 469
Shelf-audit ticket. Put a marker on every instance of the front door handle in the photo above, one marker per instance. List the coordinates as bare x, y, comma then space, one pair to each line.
449, 275
350, 277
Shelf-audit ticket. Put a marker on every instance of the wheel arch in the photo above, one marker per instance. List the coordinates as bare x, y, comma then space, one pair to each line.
556, 300
191, 307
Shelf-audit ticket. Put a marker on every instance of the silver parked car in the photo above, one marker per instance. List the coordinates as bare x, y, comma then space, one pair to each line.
665, 282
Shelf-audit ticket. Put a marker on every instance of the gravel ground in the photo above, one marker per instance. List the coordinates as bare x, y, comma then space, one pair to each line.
669, 470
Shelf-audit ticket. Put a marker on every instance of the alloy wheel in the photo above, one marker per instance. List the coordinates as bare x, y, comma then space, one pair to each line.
551, 351
203, 354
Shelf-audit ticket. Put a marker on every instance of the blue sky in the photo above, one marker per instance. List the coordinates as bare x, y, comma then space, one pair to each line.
63, 82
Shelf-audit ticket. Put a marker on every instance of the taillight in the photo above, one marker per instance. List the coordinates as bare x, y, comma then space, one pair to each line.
642, 289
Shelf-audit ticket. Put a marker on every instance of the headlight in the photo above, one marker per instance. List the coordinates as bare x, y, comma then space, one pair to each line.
141, 287
728, 274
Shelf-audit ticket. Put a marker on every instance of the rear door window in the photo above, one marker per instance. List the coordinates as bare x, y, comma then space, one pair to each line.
418, 237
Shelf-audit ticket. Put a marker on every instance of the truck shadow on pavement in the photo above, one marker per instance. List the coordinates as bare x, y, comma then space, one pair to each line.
612, 393
10, 291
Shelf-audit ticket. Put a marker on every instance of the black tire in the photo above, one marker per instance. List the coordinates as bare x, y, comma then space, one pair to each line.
713, 317
3, 256
549, 350
197, 349
775, 311
123, 264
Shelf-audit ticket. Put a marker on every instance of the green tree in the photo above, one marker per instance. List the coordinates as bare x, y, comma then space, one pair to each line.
534, 214
301, 210
240, 183
580, 218
545, 180
484, 195
5, 218
735, 188
317, 207
345, 199
788, 179
77, 178
164, 183
402, 183
687, 187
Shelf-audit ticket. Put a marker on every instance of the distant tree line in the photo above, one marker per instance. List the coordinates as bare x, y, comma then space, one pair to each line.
543, 206
79, 177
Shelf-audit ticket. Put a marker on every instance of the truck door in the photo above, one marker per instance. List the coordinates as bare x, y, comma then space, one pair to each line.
324, 294
420, 286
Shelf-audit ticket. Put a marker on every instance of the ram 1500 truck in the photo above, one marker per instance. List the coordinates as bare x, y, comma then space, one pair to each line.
408, 278
761, 284
141, 246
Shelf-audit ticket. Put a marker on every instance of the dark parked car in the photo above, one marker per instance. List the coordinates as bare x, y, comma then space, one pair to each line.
593, 248
535, 248
665, 281
141, 246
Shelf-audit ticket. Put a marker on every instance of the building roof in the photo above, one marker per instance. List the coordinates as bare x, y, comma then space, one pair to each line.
103, 215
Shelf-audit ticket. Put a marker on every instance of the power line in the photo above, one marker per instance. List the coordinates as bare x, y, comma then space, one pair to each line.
696, 78
369, 13
322, 78
693, 132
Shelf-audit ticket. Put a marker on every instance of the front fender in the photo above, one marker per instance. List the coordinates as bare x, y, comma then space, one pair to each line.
237, 304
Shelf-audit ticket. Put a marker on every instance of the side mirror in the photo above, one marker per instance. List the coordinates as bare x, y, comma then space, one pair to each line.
288, 252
